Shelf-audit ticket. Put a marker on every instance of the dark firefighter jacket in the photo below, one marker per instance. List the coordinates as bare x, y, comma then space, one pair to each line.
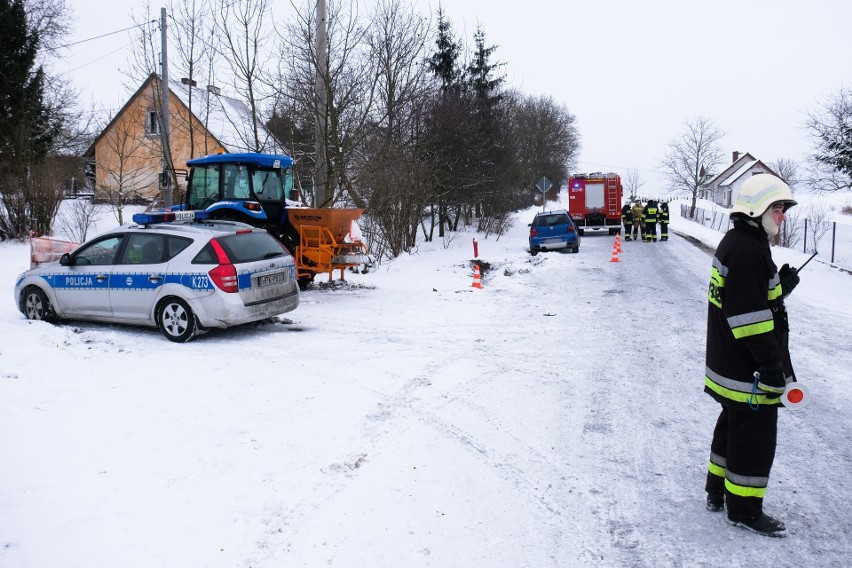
627, 215
649, 215
746, 320
664, 215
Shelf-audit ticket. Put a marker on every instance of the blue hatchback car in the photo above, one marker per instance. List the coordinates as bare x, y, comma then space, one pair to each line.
553, 230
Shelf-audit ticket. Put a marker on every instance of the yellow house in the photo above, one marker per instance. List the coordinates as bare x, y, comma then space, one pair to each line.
126, 160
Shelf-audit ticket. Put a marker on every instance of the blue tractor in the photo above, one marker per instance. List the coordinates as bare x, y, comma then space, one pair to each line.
256, 189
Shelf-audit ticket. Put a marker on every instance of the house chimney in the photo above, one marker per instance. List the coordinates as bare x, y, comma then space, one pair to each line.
186, 81
736, 155
214, 89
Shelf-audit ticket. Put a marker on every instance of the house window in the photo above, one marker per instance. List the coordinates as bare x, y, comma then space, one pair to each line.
152, 124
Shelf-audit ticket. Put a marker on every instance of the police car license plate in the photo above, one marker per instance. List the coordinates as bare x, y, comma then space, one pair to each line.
270, 279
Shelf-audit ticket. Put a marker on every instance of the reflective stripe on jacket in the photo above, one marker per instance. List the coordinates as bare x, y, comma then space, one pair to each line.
650, 214
746, 320
637, 213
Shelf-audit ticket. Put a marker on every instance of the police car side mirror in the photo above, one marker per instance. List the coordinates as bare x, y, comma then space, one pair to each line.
65, 259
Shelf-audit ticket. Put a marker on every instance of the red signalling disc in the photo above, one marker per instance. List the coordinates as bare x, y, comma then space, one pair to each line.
795, 395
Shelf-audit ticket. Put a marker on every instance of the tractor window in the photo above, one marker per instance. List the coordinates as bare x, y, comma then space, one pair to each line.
236, 182
203, 187
267, 185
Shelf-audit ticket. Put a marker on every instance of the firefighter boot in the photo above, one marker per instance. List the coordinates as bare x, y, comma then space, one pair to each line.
763, 525
715, 502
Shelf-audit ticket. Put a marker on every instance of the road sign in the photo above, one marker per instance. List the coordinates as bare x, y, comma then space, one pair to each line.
543, 184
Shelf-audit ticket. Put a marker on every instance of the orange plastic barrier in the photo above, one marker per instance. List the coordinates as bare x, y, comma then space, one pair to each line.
43, 250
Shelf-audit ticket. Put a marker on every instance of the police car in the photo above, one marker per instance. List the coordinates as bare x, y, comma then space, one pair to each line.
172, 270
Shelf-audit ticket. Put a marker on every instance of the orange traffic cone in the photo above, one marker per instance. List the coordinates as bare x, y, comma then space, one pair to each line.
477, 283
617, 244
614, 257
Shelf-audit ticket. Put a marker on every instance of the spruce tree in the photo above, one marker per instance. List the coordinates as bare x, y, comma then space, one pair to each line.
28, 124
444, 62
26, 127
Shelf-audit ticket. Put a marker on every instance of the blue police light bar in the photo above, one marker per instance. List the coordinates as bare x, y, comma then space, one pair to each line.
169, 216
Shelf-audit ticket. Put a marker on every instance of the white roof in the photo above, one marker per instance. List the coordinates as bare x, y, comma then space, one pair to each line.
739, 172
228, 119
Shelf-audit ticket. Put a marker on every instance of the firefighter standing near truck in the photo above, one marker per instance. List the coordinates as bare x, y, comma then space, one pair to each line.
748, 357
627, 220
638, 231
649, 216
664, 221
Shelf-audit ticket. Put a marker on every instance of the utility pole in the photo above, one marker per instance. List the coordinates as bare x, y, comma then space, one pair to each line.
321, 174
168, 174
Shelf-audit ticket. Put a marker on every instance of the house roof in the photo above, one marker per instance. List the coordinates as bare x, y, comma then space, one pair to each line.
227, 119
737, 169
736, 174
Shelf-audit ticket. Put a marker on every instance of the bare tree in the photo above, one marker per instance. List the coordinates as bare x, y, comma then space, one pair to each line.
193, 21
790, 232
351, 80
78, 218
49, 19
243, 35
632, 183
830, 128
818, 214
122, 165
545, 138
696, 148
788, 170
388, 170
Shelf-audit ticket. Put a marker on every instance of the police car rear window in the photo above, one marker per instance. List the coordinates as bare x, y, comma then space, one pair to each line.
242, 247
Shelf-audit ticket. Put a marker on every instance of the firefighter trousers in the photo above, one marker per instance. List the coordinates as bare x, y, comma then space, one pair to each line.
664, 231
651, 231
741, 457
637, 230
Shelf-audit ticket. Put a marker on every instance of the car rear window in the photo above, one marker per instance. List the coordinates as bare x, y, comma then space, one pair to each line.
243, 247
545, 220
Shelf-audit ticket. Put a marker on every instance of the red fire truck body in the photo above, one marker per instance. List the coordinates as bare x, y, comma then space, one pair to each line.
594, 202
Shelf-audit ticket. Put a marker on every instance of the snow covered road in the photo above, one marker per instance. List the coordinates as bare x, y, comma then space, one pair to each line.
554, 418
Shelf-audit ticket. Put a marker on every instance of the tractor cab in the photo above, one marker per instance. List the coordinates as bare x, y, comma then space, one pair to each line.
252, 188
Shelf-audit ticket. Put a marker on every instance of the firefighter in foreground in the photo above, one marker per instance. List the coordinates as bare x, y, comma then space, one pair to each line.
748, 359
627, 220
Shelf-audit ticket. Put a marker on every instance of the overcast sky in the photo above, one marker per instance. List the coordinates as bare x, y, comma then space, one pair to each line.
631, 72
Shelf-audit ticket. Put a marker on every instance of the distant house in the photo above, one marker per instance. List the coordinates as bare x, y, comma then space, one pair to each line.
723, 188
126, 158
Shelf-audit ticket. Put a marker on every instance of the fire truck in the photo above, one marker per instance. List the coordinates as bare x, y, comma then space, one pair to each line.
594, 202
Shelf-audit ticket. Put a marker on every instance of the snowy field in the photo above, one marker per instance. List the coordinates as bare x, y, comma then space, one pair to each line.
553, 418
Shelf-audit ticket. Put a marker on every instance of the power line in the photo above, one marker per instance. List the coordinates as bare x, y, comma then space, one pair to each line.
104, 56
106, 35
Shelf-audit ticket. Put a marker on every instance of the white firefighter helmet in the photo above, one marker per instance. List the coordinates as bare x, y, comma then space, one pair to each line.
759, 193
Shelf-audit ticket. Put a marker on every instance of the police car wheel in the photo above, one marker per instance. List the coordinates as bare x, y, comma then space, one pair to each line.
36, 305
177, 322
